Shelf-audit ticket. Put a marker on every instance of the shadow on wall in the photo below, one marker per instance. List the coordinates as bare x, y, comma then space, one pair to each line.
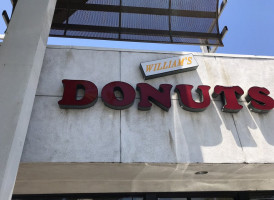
197, 133
254, 125
182, 137
179, 136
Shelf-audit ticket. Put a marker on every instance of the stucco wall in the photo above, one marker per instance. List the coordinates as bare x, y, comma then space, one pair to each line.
100, 134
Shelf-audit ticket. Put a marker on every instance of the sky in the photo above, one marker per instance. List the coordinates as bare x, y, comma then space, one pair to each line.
250, 31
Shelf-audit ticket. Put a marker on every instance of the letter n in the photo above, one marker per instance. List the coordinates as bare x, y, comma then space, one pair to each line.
69, 99
159, 97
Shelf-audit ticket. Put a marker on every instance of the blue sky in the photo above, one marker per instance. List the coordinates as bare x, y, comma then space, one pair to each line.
250, 24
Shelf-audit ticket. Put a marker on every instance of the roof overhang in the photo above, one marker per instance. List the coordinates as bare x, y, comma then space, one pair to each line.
158, 21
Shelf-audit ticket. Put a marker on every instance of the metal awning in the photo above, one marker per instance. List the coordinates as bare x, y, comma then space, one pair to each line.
160, 21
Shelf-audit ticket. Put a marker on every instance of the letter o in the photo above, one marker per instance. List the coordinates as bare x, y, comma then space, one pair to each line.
111, 101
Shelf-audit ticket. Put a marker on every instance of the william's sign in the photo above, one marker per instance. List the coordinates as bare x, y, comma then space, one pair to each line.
168, 66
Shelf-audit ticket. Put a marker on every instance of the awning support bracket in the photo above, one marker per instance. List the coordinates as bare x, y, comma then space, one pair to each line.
209, 49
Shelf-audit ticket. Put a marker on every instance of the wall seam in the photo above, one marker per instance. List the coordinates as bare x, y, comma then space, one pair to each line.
120, 65
238, 134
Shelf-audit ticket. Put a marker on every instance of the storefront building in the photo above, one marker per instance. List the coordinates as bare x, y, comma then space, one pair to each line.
133, 137
103, 150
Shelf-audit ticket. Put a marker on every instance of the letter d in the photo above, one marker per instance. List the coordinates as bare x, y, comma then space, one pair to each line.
69, 100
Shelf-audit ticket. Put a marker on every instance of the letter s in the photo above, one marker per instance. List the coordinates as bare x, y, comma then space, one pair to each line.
189, 60
260, 101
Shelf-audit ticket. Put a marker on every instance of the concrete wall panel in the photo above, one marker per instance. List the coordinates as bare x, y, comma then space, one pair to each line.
247, 72
179, 136
56, 135
99, 67
256, 132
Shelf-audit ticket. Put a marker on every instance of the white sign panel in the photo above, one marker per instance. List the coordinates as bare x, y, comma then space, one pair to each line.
168, 66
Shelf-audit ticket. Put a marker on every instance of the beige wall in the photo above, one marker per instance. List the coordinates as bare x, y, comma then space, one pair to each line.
100, 134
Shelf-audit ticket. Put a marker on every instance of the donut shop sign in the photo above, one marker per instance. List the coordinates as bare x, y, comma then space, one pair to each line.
258, 97
168, 66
